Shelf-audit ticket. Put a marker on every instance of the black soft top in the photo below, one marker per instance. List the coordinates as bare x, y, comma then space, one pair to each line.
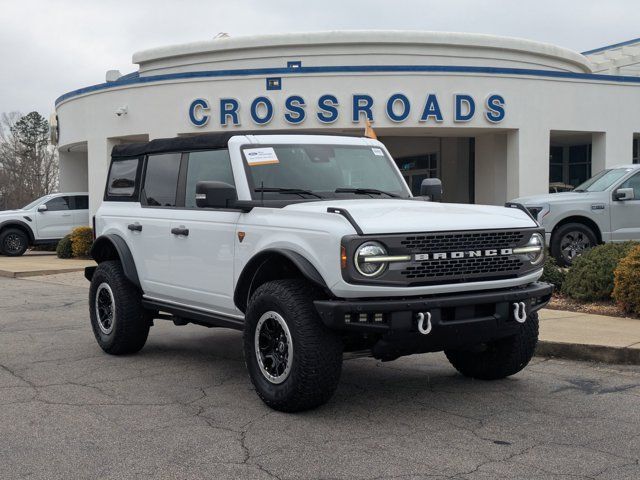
207, 141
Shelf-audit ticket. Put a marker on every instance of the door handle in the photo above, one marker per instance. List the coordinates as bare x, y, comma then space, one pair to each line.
135, 227
66, 214
180, 231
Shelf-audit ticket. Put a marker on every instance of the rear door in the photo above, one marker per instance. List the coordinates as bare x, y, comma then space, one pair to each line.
80, 205
625, 215
57, 220
202, 252
149, 235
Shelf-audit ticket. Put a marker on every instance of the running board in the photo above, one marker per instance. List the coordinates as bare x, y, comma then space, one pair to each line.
194, 315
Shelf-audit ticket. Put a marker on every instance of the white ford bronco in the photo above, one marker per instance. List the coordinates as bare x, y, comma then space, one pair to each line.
44, 221
314, 247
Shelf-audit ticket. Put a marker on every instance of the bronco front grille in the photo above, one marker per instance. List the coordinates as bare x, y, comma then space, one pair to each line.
458, 270
462, 269
451, 242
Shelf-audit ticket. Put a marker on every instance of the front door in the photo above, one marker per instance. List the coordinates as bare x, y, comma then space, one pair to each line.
625, 215
56, 221
81, 211
204, 240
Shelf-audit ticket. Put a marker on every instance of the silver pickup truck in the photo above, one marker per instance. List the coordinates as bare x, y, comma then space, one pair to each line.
605, 208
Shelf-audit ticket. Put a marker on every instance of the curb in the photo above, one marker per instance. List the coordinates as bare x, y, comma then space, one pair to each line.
593, 353
35, 273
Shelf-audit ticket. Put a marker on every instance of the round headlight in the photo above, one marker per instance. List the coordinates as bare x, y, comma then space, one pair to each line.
365, 259
536, 256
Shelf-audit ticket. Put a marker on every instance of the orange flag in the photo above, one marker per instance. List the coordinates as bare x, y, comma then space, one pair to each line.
369, 132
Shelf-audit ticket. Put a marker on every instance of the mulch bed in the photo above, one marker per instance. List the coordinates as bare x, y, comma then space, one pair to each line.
561, 302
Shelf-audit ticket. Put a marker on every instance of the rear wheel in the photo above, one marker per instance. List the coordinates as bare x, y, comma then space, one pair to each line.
120, 323
294, 361
500, 358
13, 242
571, 240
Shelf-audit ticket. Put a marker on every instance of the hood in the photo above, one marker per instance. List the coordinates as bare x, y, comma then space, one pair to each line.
403, 216
556, 198
8, 213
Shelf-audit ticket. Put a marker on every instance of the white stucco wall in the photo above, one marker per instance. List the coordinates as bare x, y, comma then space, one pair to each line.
511, 156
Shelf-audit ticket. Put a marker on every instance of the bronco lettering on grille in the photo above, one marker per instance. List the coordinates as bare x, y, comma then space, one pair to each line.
492, 252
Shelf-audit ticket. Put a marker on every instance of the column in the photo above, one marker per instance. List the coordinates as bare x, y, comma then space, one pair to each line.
609, 149
527, 162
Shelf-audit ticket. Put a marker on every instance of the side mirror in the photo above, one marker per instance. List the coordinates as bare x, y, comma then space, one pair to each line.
215, 194
42, 208
623, 194
432, 188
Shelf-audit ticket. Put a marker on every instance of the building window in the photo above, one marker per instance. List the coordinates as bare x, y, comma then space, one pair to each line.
418, 167
636, 150
569, 166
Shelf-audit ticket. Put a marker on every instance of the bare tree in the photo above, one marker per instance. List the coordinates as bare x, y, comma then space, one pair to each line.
28, 163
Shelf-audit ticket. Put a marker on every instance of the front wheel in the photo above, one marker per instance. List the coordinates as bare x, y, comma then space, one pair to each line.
120, 323
570, 241
294, 361
13, 242
500, 358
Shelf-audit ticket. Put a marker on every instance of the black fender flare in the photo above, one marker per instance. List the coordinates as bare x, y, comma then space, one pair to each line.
21, 225
104, 248
253, 266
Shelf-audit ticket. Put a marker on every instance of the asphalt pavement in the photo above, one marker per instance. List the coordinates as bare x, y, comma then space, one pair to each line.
184, 408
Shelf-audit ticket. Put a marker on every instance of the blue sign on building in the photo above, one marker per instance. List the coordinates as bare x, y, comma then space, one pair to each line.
398, 108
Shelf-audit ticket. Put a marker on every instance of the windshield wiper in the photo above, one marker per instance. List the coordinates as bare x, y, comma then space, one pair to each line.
580, 190
366, 191
292, 191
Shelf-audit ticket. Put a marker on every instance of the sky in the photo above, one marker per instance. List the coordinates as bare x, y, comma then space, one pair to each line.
50, 47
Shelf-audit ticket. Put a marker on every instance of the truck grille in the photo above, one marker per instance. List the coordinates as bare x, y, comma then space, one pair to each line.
460, 270
451, 242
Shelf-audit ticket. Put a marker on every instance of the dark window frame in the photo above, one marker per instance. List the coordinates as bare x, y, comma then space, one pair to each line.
135, 196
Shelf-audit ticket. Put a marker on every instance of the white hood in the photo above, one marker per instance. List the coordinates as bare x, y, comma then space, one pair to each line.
401, 216
11, 213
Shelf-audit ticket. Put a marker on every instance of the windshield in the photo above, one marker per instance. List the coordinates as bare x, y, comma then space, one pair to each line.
322, 171
602, 181
34, 203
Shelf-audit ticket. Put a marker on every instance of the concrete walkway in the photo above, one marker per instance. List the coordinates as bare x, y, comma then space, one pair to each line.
39, 263
581, 336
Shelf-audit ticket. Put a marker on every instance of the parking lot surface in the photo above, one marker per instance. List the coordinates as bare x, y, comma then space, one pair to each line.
184, 408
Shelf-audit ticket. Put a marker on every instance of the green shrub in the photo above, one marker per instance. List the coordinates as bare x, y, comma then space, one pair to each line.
63, 250
81, 241
591, 276
553, 273
626, 292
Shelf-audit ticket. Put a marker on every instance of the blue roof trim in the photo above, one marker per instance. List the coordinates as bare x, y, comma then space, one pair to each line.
136, 79
615, 45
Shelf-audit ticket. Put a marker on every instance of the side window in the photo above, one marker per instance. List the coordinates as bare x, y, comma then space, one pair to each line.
122, 178
211, 165
161, 180
57, 204
633, 182
81, 202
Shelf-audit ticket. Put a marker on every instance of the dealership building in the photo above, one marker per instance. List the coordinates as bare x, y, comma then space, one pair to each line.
495, 118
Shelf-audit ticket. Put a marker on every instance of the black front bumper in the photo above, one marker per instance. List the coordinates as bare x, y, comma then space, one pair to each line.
488, 311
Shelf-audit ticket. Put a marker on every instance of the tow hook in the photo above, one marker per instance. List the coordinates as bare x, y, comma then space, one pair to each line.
421, 327
520, 312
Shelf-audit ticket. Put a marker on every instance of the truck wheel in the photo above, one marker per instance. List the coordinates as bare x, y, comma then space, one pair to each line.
294, 361
13, 242
119, 321
571, 240
500, 358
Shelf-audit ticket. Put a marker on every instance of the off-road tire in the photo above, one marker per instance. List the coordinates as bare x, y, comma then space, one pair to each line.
131, 322
13, 234
317, 351
556, 239
501, 358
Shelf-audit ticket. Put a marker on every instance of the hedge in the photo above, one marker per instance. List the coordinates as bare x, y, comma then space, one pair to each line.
81, 241
626, 291
63, 250
591, 277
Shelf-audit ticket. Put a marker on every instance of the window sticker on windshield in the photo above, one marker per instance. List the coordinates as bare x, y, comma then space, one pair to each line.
261, 156
378, 152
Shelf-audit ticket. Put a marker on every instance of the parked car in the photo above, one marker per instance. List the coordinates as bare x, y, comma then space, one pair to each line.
44, 221
312, 246
605, 208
